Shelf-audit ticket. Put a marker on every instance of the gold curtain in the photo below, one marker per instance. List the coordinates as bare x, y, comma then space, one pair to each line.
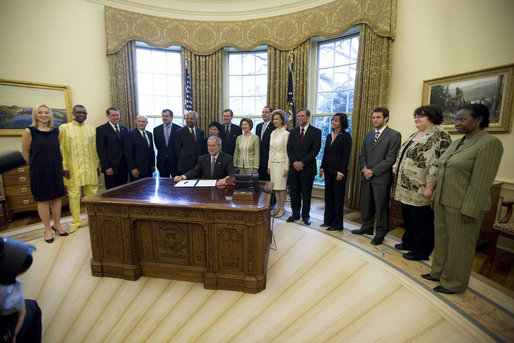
205, 72
123, 83
278, 69
284, 32
371, 91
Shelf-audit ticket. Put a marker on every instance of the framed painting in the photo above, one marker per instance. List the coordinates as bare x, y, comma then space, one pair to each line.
491, 87
17, 98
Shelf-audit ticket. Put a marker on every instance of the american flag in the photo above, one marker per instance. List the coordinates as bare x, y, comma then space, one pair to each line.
290, 95
188, 105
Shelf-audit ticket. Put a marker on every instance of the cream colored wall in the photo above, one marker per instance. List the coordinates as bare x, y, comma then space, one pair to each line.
58, 42
437, 38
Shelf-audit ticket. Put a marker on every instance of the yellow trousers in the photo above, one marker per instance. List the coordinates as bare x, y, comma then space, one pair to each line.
74, 195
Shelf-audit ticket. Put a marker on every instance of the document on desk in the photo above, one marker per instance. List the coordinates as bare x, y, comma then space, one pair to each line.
206, 183
186, 183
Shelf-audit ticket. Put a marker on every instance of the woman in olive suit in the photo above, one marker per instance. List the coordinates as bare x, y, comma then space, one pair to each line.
246, 154
466, 172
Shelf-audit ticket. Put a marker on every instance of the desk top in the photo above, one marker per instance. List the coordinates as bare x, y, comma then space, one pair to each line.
161, 192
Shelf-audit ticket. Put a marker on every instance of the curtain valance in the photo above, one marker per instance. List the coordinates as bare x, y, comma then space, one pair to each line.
283, 32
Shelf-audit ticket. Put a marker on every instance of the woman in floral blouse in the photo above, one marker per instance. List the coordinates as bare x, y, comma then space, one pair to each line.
415, 179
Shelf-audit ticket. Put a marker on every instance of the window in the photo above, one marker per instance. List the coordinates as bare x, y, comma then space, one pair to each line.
247, 84
159, 83
335, 83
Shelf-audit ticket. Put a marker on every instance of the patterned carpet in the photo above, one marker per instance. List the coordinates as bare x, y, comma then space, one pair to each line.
321, 287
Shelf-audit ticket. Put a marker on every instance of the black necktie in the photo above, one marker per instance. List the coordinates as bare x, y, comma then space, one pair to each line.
117, 131
146, 138
213, 163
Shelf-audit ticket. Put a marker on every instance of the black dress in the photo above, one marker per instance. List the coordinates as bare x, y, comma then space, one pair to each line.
45, 165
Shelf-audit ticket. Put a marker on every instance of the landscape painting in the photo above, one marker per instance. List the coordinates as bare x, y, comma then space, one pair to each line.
491, 87
17, 98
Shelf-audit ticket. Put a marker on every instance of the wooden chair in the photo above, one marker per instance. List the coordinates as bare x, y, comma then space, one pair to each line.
502, 228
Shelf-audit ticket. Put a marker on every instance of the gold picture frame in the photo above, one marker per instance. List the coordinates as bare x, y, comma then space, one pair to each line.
17, 98
492, 87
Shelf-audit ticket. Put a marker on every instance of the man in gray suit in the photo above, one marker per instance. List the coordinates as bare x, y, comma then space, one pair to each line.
378, 154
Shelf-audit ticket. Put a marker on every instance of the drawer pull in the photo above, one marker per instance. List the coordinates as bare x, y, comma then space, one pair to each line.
26, 202
21, 169
22, 178
24, 189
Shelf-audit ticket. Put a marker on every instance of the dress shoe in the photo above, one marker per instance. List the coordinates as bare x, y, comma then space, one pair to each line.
362, 232
443, 290
377, 240
429, 277
292, 219
325, 225
51, 240
412, 257
402, 246
60, 234
278, 214
307, 221
331, 228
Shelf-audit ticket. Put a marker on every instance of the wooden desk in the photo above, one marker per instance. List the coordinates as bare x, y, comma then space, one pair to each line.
151, 228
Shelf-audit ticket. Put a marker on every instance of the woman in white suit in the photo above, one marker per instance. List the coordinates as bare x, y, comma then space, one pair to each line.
246, 154
278, 162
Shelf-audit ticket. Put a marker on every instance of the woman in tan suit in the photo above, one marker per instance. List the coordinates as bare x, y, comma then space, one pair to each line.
246, 154
466, 172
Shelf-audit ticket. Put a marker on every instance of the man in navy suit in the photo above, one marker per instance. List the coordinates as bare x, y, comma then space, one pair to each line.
230, 132
109, 146
263, 131
188, 144
214, 165
164, 138
303, 146
376, 159
139, 152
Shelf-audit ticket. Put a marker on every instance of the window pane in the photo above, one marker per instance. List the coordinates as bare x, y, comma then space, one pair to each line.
145, 103
249, 86
144, 83
262, 83
248, 64
235, 104
158, 61
160, 84
339, 103
324, 103
174, 85
354, 49
144, 60
325, 80
235, 86
261, 63
326, 55
173, 64
235, 64
341, 76
248, 106
342, 52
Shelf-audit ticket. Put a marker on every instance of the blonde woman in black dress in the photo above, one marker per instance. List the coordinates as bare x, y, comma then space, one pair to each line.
41, 148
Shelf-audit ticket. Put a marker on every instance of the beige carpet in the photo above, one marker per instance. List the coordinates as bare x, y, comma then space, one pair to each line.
320, 288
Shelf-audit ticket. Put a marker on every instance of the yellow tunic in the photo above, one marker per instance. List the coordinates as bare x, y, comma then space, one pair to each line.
79, 157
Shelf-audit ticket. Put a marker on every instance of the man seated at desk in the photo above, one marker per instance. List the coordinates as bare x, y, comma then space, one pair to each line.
214, 165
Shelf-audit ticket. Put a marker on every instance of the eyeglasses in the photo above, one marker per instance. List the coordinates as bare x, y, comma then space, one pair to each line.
80, 112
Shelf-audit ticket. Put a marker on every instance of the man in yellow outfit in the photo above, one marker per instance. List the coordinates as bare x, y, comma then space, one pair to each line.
80, 161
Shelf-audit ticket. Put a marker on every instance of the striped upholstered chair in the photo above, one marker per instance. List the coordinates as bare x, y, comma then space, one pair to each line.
502, 228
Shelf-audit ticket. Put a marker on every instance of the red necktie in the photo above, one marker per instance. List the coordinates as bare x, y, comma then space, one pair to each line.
301, 135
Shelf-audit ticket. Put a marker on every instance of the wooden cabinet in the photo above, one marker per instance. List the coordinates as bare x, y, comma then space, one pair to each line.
17, 191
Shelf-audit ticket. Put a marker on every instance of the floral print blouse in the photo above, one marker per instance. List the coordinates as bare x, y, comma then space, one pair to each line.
418, 165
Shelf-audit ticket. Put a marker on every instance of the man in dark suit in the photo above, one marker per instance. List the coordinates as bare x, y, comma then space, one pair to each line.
164, 138
303, 146
264, 135
109, 146
138, 148
376, 159
214, 165
230, 132
188, 144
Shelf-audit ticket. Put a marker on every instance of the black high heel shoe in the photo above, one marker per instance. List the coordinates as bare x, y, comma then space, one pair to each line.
60, 234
